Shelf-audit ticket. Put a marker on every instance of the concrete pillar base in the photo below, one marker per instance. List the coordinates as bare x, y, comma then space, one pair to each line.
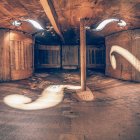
86, 95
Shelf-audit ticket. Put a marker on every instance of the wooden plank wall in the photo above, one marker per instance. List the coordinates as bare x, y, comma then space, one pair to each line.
47, 56
123, 70
70, 57
129, 40
96, 57
4, 55
136, 52
16, 59
52, 57
21, 55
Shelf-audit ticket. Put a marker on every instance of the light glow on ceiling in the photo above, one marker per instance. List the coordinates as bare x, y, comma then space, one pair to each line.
34, 23
103, 24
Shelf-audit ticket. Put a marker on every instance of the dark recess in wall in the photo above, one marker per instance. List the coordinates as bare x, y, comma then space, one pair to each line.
70, 36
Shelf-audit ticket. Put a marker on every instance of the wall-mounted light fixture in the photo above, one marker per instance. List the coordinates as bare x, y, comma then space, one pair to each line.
102, 25
33, 22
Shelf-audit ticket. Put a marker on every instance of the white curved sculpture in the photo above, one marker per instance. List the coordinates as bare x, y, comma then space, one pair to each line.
126, 54
51, 96
102, 25
34, 23
31, 21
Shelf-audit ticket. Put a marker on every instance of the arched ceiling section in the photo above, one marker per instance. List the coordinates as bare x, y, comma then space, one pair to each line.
68, 14
70, 11
16, 9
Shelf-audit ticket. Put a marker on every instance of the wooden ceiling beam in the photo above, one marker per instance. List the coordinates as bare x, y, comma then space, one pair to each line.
51, 14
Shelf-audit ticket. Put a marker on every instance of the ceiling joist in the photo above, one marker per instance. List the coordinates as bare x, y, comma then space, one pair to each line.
51, 14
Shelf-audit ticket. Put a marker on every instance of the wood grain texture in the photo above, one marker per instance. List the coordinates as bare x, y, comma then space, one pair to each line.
4, 55
15, 55
51, 14
47, 56
83, 54
129, 41
95, 57
69, 12
70, 57
16, 10
21, 55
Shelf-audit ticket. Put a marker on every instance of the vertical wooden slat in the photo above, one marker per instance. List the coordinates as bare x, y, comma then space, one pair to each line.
13, 55
25, 55
136, 52
22, 50
22, 56
4, 55
70, 56
16, 55
48, 56
30, 56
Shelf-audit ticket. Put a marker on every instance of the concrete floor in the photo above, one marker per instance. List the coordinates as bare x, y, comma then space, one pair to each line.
113, 115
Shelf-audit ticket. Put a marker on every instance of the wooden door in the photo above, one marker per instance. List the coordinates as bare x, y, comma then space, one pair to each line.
70, 57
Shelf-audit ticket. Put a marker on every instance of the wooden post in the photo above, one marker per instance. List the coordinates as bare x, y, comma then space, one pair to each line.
83, 54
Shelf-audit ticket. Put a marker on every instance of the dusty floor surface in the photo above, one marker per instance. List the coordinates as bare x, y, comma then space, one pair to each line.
113, 115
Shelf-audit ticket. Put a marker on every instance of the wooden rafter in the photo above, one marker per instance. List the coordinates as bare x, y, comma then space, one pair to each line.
51, 14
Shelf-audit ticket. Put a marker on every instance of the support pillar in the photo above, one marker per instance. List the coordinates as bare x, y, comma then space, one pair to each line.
83, 54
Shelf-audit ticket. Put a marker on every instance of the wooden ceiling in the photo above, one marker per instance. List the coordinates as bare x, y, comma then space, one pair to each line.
16, 9
69, 12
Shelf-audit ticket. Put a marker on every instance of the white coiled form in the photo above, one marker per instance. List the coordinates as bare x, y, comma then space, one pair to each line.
126, 54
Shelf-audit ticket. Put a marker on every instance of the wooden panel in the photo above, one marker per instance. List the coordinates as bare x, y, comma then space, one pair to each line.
4, 55
128, 40
96, 57
21, 55
124, 69
70, 57
70, 11
18, 9
136, 51
18, 36
47, 56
